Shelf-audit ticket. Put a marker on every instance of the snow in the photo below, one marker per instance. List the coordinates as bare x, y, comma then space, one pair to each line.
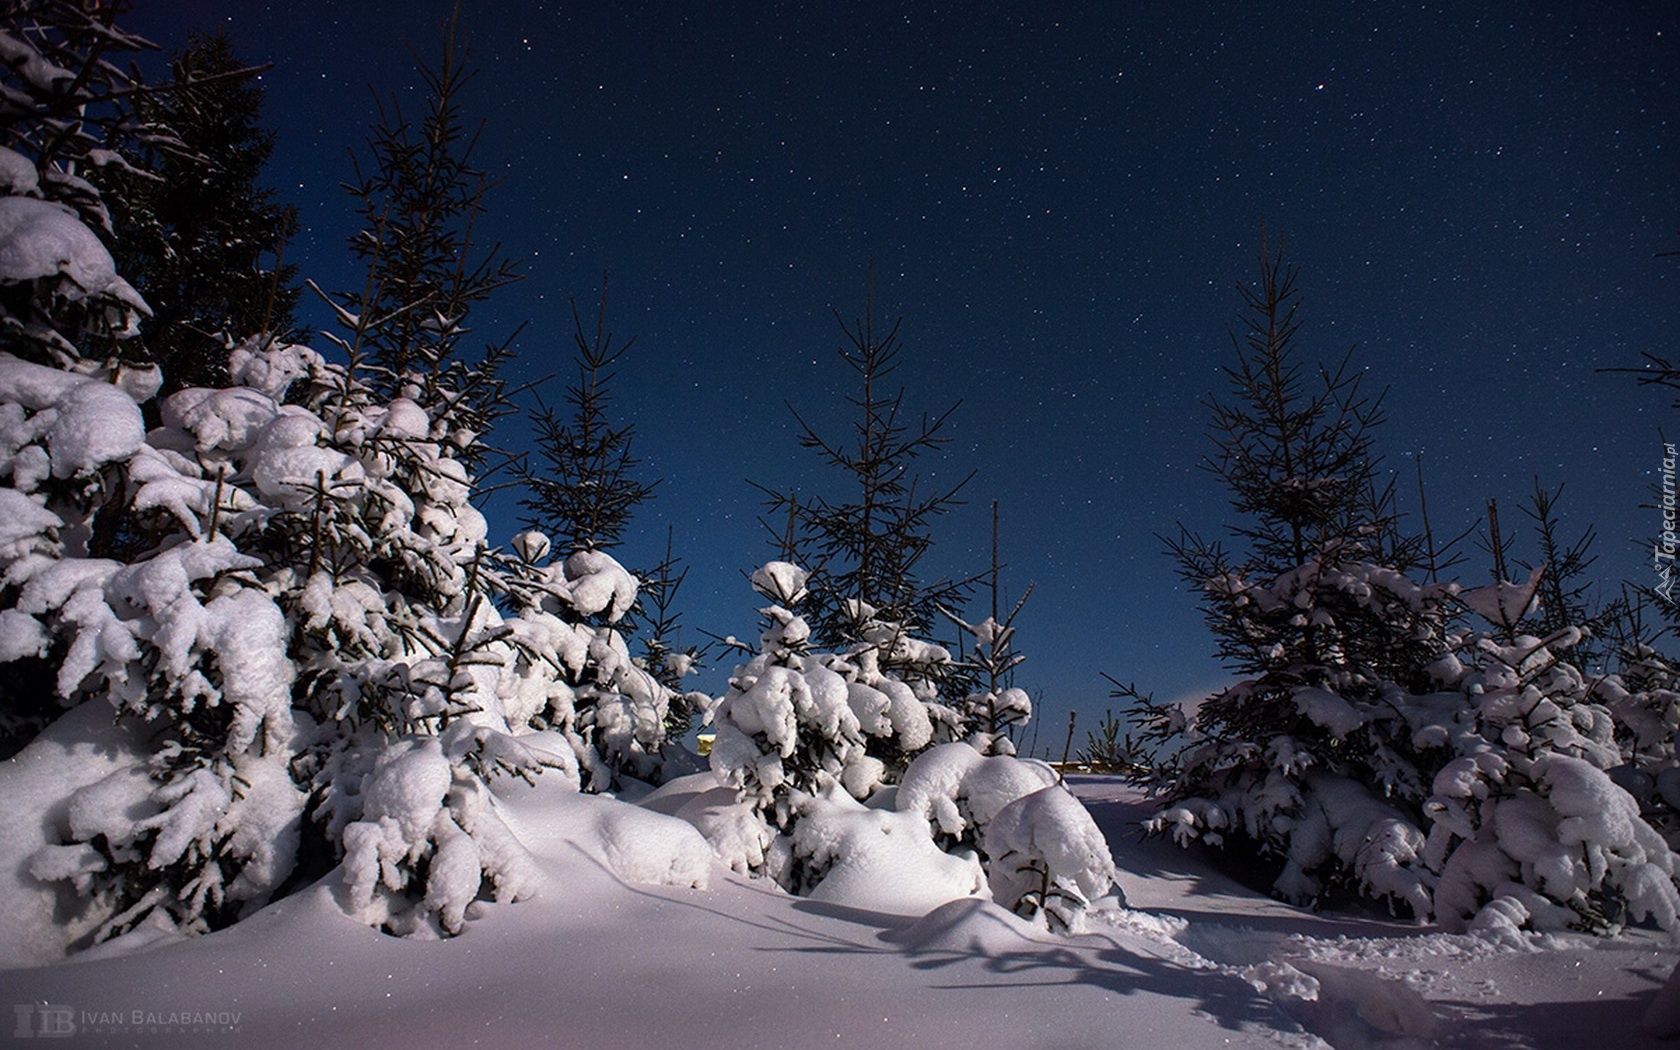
599, 585
1505, 603
593, 958
17, 174
958, 790
22, 521
39, 239
878, 860
312, 668
1048, 857
39, 921
86, 422
782, 582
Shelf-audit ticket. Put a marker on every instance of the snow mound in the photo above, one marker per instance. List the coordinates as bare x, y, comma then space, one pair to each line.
842, 852
969, 926
737, 836
41, 921
553, 822
1049, 859
651, 849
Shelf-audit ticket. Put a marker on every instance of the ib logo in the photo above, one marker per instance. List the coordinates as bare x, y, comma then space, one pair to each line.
42, 1021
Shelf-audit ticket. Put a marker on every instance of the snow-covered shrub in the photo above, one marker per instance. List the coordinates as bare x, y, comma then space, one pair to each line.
1044, 857
1553, 835
958, 790
844, 852
611, 707
1464, 787
790, 722
1644, 699
1527, 811
794, 739
1048, 860
796, 724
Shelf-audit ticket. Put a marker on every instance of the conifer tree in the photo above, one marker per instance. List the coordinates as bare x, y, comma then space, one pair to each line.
581, 490
283, 594
199, 236
66, 106
867, 543
992, 705
1294, 449
1378, 744
1313, 608
1530, 822
663, 653
582, 487
420, 195
66, 112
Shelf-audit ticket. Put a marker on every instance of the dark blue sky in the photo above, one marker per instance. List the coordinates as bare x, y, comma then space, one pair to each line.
1059, 199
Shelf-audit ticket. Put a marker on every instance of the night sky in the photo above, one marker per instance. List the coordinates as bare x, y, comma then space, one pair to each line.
1059, 199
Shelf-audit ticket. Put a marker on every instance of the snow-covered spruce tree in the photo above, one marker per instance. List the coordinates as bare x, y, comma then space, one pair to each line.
419, 198
1644, 694
67, 110
275, 595
819, 813
604, 701
790, 724
308, 647
105, 597
1110, 749
1528, 828
1564, 598
63, 108
796, 723
867, 604
1307, 759
581, 490
284, 592
197, 233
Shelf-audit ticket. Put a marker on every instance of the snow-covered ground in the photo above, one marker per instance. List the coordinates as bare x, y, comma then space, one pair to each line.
596, 961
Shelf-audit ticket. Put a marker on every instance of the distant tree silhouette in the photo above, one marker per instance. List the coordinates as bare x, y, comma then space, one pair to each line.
202, 240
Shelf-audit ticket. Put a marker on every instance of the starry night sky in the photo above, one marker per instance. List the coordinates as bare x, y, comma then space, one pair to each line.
1059, 199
